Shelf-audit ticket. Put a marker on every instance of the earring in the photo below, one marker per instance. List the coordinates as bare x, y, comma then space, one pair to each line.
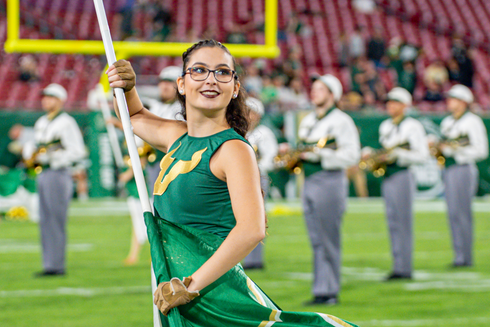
181, 91
234, 96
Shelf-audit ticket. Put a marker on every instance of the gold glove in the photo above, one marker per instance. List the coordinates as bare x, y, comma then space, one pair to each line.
126, 72
172, 294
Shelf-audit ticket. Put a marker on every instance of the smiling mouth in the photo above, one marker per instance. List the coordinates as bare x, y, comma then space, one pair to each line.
210, 94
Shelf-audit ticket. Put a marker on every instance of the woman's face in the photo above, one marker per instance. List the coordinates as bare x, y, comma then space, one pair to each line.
208, 94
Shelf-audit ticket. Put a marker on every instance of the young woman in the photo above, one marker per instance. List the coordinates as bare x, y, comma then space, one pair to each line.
209, 185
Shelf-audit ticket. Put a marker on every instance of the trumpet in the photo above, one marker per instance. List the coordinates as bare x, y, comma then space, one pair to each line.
435, 148
380, 159
291, 160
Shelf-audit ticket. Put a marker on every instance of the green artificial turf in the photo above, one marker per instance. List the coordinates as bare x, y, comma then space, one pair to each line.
99, 290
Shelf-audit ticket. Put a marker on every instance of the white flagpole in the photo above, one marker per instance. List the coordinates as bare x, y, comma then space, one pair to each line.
123, 109
128, 132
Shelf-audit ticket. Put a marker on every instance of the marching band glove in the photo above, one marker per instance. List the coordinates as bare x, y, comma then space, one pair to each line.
311, 156
366, 151
394, 154
126, 72
171, 294
448, 151
43, 158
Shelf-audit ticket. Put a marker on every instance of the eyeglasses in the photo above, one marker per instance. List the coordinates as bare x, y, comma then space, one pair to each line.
199, 74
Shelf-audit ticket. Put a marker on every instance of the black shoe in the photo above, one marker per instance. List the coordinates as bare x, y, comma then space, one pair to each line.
49, 273
397, 276
257, 266
460, 264
323, 300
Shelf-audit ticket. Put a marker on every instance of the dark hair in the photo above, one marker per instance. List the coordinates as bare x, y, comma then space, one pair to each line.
237, 110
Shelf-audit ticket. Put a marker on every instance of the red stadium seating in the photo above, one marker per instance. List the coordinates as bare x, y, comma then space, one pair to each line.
425, 23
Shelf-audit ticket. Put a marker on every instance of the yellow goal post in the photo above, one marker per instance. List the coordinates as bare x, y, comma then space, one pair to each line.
127, 49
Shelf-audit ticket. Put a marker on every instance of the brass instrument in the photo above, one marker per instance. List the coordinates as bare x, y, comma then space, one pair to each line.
375, 164
291, 160
145, 151
32, 162
435, 149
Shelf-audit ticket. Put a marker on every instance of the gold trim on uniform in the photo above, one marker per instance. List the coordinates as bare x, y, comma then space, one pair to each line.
181, 167
334, 321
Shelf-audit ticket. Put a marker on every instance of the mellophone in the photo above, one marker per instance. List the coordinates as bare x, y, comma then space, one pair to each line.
379, 159
33, 161
435, 149
291, 160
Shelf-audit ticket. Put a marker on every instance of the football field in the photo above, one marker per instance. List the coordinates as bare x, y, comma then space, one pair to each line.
99, 290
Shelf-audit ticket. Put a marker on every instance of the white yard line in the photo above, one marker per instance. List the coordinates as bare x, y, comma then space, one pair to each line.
423, 280
97, 208
466, 287
85, 292
35, 248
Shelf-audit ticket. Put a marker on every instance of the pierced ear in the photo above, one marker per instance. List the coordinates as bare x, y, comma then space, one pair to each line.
180, 85
237, 89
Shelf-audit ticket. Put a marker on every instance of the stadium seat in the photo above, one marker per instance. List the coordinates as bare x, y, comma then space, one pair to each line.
427, 23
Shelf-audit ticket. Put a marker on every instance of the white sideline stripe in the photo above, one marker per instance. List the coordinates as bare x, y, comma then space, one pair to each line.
424, 322
85, 292
120, 210
354, 205
375, 205
34, 248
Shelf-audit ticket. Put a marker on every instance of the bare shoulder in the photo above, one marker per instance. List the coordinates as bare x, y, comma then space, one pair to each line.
237, 151
231, 157
178, 129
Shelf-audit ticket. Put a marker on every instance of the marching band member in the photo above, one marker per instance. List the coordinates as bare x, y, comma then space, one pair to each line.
404, 140
326, 187
265, 145
461, 173
126, 178
167, 107
58, 133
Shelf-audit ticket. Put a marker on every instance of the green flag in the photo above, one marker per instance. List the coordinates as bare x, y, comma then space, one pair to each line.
233, 300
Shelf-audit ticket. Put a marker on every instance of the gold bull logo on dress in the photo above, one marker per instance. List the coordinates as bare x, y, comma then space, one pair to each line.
181, 167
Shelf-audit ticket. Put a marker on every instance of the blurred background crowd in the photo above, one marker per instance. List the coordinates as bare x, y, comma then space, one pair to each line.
372, 46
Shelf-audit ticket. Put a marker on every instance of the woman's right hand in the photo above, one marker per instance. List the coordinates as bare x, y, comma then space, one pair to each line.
121, 75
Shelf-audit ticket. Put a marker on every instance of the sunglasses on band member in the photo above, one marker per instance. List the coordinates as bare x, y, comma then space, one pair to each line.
199, 74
